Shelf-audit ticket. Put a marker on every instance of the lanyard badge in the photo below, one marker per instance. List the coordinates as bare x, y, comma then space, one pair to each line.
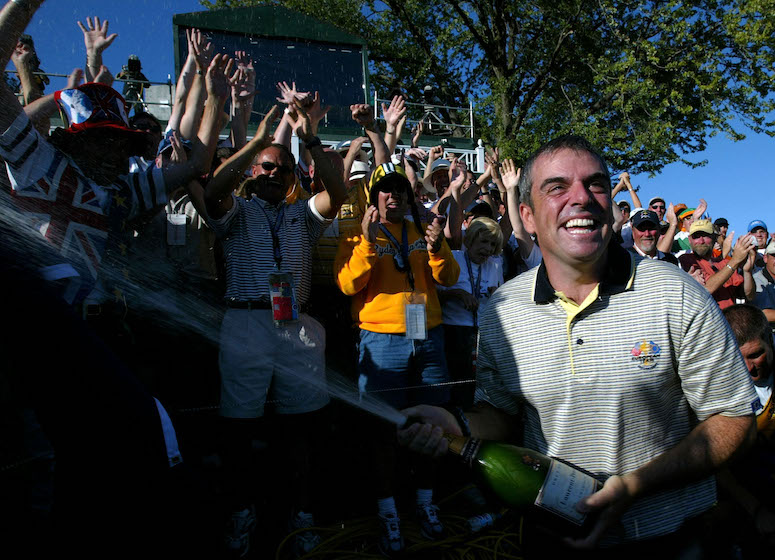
282, 294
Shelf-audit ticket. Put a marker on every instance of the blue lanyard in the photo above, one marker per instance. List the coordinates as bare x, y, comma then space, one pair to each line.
402, 258
274, 228
475, 288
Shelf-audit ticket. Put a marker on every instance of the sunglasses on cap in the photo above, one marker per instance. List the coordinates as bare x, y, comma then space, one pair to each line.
270, 166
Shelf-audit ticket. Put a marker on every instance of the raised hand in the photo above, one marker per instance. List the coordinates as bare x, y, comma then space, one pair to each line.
201, 48
316, 111
417, 153
363, 115
300, 122
178, 152
96, 38
434, 235
263, 134
743, 247
417, 131
670, 216
437, 152
510, 174
217, 80
700, 210
288, 94
370, 224
696, 273
726, 246
75, 78
394, 113
492, 159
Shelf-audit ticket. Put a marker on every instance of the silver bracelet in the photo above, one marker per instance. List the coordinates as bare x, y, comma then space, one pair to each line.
729, 267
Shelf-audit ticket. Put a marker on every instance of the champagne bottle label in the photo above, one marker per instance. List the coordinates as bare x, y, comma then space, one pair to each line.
469, 451
563, 488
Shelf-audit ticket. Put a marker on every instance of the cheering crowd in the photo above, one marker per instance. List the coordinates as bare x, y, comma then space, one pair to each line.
173, 260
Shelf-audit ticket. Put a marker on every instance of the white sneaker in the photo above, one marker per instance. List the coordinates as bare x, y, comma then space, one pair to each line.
239, 531
430, 525
305, 540
391, 543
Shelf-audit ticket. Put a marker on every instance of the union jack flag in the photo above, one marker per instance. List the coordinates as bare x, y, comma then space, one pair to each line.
69, 211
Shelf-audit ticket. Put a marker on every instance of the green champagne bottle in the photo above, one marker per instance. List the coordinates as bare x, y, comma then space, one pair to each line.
522, 478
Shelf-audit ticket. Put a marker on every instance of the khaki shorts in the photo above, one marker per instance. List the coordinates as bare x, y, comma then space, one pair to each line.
259, 361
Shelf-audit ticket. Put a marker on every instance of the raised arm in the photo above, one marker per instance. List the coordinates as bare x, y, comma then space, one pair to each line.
183, 86
743, 248
395, 117
14, 18
511, 176
192, 115
288, 97
364, 116
96, 40
228, 175
666, 241
328, 201
203, 145
625, 178
243, 90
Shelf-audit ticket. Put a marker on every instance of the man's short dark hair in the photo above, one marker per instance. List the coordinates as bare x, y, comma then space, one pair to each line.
568, 141
748, 323
286, 150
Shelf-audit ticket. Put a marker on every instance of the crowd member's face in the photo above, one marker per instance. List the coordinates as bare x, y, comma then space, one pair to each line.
153, 130
571, 213
659, 207
274, 171
482, 248
104, 154
722, 230
758, 358
392, 203
688, 221
769, 264
625, 212
702, 243
646, 237
761, 235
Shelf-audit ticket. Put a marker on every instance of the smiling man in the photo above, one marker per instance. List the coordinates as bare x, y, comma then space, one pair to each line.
645, 237
650, 407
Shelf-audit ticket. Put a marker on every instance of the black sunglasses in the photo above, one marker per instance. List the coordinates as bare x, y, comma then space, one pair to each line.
657, 207
269, 166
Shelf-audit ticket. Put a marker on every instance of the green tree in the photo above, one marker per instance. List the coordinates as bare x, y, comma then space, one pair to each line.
647, 81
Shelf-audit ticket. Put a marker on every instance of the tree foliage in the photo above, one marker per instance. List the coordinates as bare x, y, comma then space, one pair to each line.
647, 81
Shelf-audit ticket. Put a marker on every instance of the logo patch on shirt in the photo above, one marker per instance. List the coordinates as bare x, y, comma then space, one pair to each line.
756, 406
645, 354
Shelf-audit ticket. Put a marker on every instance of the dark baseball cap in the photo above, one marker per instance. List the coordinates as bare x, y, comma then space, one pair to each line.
721, 222
645, 216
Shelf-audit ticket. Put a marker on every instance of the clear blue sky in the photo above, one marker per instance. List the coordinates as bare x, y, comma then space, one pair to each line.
737, 182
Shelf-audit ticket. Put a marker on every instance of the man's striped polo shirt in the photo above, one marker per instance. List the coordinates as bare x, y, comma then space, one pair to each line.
612, 383
247, 240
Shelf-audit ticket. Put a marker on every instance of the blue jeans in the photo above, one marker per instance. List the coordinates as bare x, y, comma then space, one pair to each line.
392, 361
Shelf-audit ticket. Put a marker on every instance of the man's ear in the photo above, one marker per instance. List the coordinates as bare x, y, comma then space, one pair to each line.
528, 221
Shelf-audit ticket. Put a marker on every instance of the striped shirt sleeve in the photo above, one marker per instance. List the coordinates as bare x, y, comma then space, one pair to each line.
148, 190
28, 156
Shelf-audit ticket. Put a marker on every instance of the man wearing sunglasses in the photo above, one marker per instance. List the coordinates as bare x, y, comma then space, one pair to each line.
390, 268
270, 348
645, 237
720, 278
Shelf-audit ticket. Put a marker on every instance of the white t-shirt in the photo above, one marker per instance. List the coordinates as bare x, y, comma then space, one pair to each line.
491, 271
